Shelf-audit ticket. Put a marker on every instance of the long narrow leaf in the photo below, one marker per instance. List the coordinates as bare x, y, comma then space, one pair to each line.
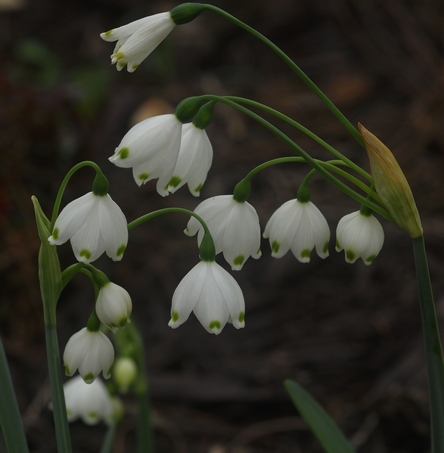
322, 425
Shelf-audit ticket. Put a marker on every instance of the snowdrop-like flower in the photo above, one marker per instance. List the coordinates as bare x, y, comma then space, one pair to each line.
90, 353
113, 306
90, 402
361, 236
151, 149
300, 227
195, 158
136, 40
94, 224
234, 227
212, 294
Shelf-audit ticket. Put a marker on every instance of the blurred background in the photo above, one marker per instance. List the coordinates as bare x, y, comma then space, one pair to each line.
350, 334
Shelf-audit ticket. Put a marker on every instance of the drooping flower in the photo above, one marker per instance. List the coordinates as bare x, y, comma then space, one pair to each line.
113, 306
195, 158
90, 402
212, 294
361, 236
136, 40
234, 227
94, 224
151, 149
300, 227
89, 352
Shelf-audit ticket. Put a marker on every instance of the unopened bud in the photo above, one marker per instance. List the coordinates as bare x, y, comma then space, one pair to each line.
124, 373
391, 184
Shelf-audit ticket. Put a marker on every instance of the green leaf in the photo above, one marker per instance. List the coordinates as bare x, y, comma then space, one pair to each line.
322, 425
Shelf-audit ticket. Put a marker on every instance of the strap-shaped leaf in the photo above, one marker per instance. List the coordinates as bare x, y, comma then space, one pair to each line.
322, 425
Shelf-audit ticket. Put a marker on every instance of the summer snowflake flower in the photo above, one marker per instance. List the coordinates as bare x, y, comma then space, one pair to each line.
212, 294
136, 40
151, 149
195, 158
90, 353
113, 306
300, 227
90, 402
234, 227
360, 236
94, 224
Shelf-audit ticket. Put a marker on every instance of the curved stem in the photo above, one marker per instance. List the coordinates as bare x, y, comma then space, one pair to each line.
283, 56
351, 193
304, 130
434, 355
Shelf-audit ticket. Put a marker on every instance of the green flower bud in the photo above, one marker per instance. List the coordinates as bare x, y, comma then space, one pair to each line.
188, 108
124, 373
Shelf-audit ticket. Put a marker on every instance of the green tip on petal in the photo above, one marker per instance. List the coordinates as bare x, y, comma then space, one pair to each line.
370, 259
275, 246
89, 378
174, 316
214, 325
174, 181
121, 250
121, 65
67, 372
350, 255
325, 249
93, 416
123, 322
55, 234
119, 56
241, 316
198, 188
143, 176
124, 153
85, 253
306, 253
238, 261
108, 33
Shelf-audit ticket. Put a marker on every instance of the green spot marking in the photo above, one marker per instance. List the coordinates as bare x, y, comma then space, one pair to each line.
175, 181
275, 246
121, 250
93, 415
143, 176
325, 249
134, 67
305, 253
86, 253
214, 325
370, 258
108, 33
123, 321
350, 255
88, 378
238, 260
67, 372
174, 316
119, 55
55, 234
338, 245
241, 316
197, 189
124, 153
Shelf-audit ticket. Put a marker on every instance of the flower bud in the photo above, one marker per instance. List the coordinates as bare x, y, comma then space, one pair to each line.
124, 373
392, 185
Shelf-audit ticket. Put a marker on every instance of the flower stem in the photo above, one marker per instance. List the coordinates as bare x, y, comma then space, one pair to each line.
10, 421
295, 68
108, 442
434, 355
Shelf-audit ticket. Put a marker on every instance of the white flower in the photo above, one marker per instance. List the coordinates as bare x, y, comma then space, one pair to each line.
90, 402
234, 227
212, 294
300, 227
113, 306
90, 352
136, 40
195, 158
151, 149
94, 224
360, 236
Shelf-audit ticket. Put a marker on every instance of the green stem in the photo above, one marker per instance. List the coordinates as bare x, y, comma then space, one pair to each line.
311, 85
313, 162
304, 130
10, 421
55, 211
108, 442
434, 355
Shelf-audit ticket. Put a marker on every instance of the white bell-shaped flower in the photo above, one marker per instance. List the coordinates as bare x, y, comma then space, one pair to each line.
151, 149
136, 40
89, 352
113, 306
300, 227
94, 224
360, 236
90, 402
194, 162
234, 227
212, 294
